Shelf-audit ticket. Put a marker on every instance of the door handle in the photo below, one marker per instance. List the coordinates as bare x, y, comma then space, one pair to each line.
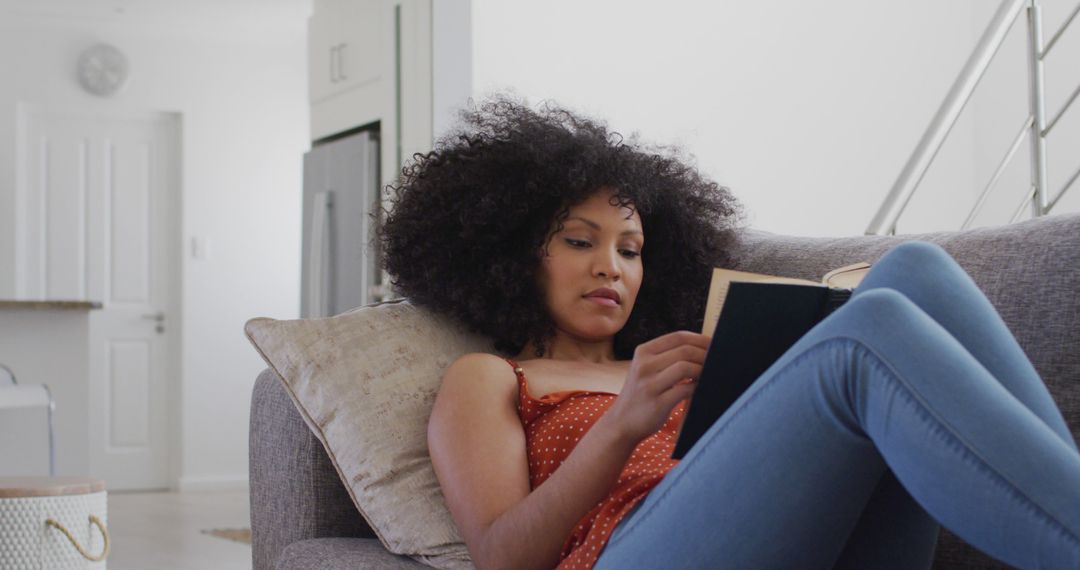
320, 264
341, 62
333, 65
159, 318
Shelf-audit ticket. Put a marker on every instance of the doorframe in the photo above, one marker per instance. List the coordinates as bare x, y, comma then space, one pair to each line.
174, 376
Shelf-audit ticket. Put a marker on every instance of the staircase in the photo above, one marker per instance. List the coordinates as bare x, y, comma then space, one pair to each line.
1034, 128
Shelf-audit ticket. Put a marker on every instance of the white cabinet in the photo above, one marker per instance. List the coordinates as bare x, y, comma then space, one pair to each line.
345, 48
370, 61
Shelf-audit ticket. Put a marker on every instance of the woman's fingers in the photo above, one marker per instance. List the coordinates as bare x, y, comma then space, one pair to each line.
672, 340
651, 365
677, 372
659, 382
680, 391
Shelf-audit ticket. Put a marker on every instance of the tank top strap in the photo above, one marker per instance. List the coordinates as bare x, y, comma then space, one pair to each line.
528, 409
520, 373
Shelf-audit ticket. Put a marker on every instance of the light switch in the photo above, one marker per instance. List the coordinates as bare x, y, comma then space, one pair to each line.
200, 248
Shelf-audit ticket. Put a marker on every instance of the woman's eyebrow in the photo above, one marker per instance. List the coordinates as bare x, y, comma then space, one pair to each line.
596, 226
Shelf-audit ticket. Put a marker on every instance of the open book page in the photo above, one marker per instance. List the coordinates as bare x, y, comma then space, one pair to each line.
847, 277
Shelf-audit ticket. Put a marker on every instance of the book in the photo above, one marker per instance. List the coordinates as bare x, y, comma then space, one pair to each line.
753, 319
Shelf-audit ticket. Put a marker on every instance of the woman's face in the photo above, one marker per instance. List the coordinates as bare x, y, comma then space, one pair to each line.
592, 271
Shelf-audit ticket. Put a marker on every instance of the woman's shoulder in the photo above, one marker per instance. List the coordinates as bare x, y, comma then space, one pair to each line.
480, 371
482, 362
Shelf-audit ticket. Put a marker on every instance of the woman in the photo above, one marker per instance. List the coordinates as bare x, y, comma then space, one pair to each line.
587, 260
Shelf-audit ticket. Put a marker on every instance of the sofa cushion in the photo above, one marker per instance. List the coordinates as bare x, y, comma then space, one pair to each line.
364, 382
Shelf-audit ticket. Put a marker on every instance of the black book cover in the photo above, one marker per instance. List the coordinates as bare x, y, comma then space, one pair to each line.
758, 323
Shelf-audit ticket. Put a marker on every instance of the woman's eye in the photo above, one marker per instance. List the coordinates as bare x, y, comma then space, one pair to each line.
577, 242
628, 253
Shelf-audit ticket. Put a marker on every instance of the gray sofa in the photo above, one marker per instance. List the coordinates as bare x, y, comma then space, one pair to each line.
301, 516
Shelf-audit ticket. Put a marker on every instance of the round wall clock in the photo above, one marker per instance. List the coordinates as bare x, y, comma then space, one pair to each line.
102, 69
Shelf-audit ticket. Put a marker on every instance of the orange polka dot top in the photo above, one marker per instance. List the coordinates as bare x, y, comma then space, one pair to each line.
553, 426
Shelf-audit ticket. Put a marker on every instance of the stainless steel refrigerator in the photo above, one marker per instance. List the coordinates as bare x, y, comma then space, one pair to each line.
341, 192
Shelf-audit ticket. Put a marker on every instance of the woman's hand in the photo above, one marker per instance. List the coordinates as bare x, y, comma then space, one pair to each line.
661, 375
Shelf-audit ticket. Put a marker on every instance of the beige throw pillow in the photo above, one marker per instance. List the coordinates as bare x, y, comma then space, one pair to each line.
365, 382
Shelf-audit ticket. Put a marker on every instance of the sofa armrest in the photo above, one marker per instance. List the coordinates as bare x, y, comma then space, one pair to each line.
296, 493
343, 554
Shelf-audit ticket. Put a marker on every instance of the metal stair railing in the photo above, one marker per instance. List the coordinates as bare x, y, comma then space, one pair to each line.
1034, 127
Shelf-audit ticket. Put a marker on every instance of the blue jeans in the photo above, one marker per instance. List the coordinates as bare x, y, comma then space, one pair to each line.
910, 406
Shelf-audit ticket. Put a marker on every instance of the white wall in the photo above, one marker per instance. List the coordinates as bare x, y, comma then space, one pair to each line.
451, 61
238, 80
807, 110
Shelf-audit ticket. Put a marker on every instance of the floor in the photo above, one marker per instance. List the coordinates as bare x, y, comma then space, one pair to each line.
162, 531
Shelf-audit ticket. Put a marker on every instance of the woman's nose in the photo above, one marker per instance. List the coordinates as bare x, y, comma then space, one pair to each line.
606, 265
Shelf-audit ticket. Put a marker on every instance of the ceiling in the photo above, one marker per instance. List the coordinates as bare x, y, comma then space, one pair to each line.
261, 13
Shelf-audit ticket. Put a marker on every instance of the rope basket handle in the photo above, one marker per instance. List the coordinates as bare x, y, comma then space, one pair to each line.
96, 522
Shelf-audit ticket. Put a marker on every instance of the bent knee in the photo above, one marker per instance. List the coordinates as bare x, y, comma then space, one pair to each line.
919, 252
878, 317
883, 303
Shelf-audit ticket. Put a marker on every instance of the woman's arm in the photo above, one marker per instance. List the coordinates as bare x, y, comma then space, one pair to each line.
477, 446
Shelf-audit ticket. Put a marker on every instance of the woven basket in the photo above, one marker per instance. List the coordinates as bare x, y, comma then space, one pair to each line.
53, 532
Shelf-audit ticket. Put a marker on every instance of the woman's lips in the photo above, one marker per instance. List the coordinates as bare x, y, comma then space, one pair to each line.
605, 296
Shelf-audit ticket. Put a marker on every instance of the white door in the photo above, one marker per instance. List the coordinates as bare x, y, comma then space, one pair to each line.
106, 188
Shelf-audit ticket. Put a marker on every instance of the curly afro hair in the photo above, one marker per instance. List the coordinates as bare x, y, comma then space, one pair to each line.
469, 221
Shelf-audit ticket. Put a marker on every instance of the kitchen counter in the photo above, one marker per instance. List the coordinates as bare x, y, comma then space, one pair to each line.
50, 305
